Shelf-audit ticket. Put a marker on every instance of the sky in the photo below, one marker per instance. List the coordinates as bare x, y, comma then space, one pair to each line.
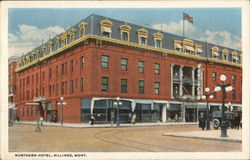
29, 27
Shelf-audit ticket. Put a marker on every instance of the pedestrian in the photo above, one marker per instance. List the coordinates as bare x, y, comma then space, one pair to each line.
92, 120
237, 121
133, 119
233, 121
202, 121
176, 118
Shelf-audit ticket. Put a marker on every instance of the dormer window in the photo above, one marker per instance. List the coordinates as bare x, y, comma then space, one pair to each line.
215, 52
124, 32
189, 50
143, 36
198, 49
225, 54
64, 39
235, 57
82, 29
188, 46
72, 35
177, 46
50, 44
106, 28
58, 43
158, 39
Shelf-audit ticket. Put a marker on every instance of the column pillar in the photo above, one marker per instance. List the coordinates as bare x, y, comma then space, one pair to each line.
172, 81
193, 80
164, 113
181, 81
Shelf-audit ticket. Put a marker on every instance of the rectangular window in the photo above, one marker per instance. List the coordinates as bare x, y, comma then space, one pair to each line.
214, 76
57, 87
141, 86
62, 69
50, 74
124, 85
106, 34
214, 93
62, 88
157, 88
124, 64
27, 109
50, 90
158, 43
32, 111
233, 79
66, 68
105, 81
82, 84
143, 40
157, 68
233, 94
43, 75
72, 86
105, 61
141, 66
82, 62
32, 93
125, 36
73, 65
57, 71
66, 87
43, 91
76, 83
32, 79
36, 92
37, 78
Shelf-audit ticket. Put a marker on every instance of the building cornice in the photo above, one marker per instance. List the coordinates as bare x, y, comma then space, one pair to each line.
162, 51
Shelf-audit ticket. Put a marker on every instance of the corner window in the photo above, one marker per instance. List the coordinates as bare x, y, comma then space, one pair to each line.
105, 81
105, 61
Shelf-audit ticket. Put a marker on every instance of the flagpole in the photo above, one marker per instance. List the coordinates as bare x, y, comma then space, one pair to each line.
183, 26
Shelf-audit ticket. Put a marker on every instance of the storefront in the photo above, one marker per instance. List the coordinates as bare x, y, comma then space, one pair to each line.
173, 110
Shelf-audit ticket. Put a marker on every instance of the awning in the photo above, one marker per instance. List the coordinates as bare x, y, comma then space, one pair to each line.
199, 50
143, 36
235, 58
106, 29
215, 54
177, 45
189, 48
145, 102
159, 101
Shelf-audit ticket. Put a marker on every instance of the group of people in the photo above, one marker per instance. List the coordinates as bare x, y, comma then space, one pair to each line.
236, 121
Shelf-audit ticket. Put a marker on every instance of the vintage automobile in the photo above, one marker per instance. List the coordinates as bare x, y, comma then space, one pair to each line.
217, 118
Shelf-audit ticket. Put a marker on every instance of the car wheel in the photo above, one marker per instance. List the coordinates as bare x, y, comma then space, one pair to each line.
216, 123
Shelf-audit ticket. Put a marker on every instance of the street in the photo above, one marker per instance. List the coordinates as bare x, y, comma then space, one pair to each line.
22, 138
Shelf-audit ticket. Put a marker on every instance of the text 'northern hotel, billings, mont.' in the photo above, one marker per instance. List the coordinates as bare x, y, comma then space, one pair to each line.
155, 74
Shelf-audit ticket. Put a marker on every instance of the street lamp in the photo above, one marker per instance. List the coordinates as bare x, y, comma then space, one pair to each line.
206, 96
224, 88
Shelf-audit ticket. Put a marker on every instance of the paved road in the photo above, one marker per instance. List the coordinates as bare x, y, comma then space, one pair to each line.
126, 139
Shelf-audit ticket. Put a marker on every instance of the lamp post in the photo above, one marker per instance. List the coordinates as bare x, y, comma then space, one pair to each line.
206, 96
224, 88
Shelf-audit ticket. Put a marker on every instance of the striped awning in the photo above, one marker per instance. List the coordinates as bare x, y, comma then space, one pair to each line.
235, 58
177, 45
106, 29
216, 54
189, 48
199, 50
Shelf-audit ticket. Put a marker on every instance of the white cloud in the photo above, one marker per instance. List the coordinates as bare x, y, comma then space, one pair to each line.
222, 38
29, 37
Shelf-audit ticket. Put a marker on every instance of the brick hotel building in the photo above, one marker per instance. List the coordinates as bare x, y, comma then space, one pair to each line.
155, 74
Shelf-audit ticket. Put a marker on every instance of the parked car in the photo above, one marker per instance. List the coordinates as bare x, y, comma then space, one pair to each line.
217, 118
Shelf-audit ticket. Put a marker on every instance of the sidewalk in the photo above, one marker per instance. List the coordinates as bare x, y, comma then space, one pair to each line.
107, 125
233, 135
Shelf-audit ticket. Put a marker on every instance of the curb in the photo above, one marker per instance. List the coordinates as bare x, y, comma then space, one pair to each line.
206, 138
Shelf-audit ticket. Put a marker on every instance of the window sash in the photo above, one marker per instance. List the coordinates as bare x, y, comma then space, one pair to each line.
124, 36
158, 43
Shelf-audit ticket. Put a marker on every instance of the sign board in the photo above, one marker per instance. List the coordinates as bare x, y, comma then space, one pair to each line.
59, 103
32, 103
39, 99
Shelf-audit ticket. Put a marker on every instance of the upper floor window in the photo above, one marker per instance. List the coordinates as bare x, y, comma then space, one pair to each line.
235, 58
105, 61
158, 39
215, 52
142, 36
124, 85
233, 94
124, 64
141, 66
214, 76
73, 62
189, 50
82, 28
157, 88
82, 62
105, 81
141, 86
157, 68
82, 84
233, 79
124, 32
106, 28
